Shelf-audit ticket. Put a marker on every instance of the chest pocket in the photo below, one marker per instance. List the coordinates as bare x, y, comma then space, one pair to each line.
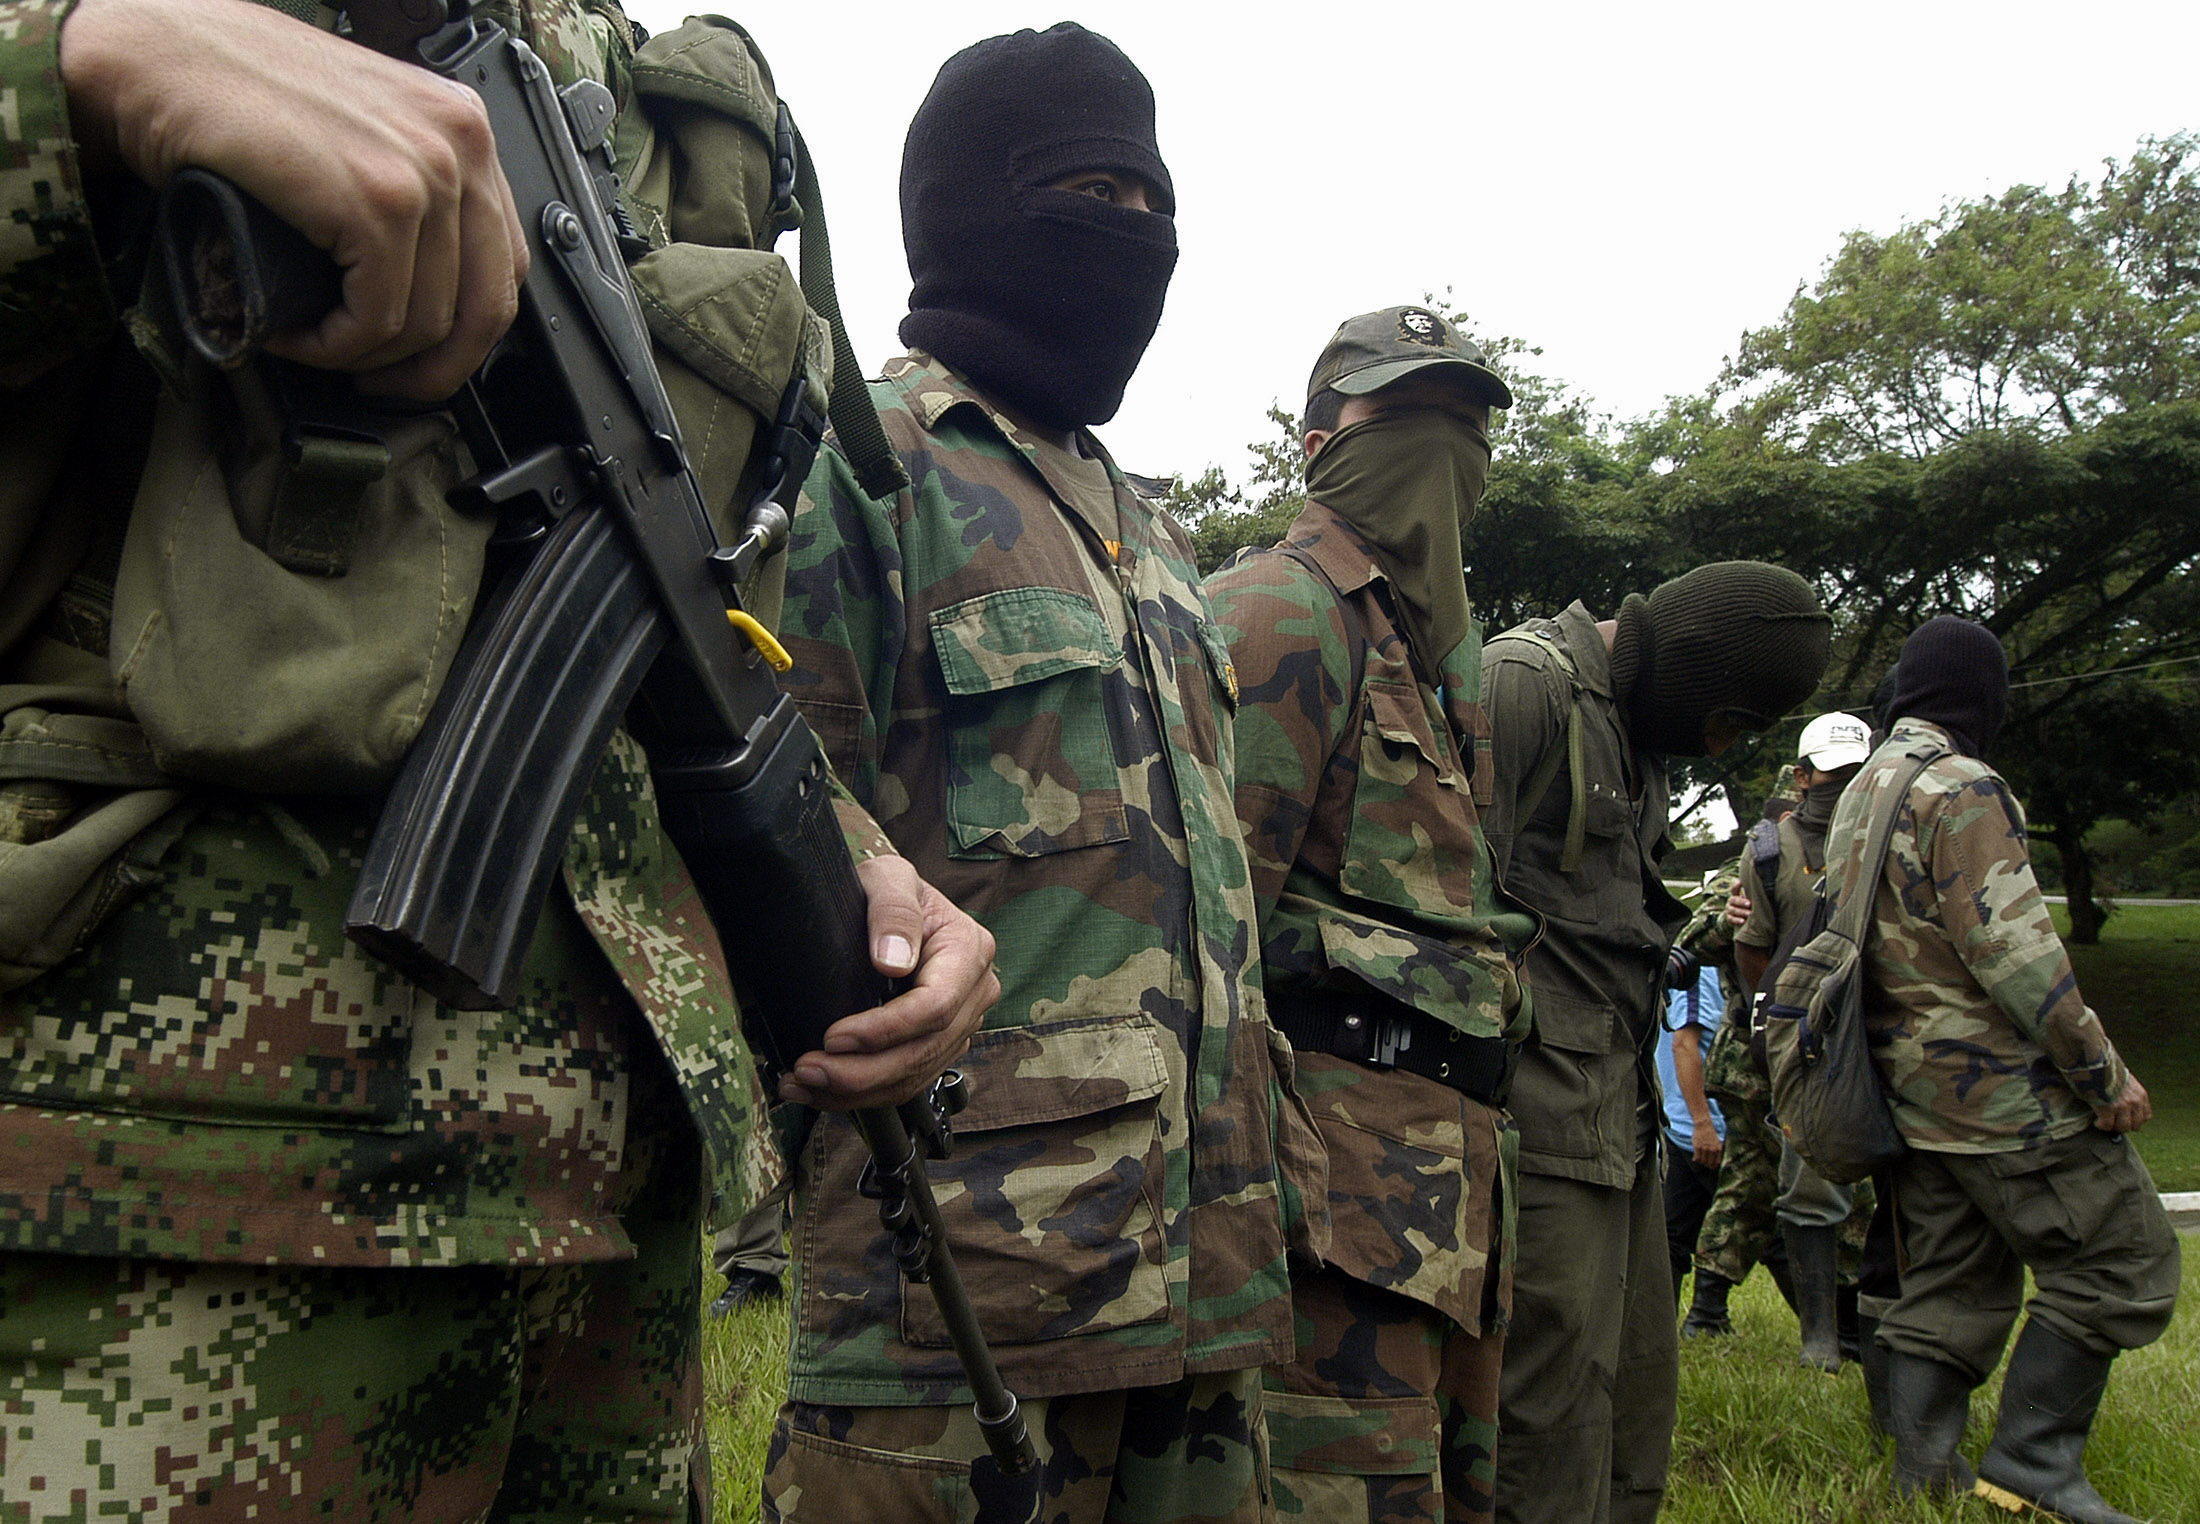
1410, 842
1032, 764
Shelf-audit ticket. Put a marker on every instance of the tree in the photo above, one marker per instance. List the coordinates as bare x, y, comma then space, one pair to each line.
2124, 748
2034, 309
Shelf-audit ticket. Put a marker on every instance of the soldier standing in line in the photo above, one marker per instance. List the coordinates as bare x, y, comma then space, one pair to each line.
1582, 715
1821, 1225
2013, 1101
1012, 662
1385, 962
280, 1230
1739, 1228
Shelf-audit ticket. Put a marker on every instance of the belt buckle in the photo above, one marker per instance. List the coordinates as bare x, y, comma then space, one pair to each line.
1389, 1037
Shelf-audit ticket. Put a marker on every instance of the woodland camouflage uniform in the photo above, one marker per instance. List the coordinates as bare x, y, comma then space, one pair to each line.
1994, 1065
1012, 664
1376, 898
241, 1162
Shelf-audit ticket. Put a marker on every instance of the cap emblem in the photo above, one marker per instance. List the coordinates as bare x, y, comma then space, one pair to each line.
1418, 327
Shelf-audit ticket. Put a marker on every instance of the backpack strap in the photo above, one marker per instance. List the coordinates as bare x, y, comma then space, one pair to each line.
1355, 621
1546, 767
855, 417
1856, 900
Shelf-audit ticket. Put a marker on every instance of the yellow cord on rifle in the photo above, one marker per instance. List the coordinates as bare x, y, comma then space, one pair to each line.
761, 638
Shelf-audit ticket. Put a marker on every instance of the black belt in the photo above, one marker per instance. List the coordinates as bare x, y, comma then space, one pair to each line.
1385, 1034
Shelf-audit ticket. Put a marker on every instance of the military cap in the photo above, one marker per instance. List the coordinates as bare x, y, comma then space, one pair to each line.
1369, 352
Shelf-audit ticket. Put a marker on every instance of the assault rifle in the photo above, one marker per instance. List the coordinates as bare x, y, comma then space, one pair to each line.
616, 600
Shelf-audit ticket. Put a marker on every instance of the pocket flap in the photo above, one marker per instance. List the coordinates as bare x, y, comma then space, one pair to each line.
1356, 1436
737, 318
1022, 1075
1578, 1026
1457, 988
1397, 715
1020, 635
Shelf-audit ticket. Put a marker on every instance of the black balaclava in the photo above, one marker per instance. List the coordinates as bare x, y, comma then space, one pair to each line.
1045, 298
1955, 674
1735, 638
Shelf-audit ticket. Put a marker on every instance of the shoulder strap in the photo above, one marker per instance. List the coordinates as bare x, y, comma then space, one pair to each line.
1546, 767
1355, 621
1856, 898
855, 419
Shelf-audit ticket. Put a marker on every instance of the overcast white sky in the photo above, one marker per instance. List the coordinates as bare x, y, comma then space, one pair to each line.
1628, 185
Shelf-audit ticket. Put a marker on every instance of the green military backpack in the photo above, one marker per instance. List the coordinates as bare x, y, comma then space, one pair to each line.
274, 597
1826, 1091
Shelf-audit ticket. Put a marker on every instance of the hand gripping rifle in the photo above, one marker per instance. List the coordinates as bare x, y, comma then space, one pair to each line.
616, 600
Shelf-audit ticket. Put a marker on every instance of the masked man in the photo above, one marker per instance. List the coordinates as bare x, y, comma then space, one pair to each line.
2013, 1101
1385, 961
1582, 716
1012, 663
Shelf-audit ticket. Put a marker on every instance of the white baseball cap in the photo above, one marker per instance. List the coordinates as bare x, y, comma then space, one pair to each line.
1834, 741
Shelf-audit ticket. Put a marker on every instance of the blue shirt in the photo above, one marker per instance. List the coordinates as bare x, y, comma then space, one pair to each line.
1702, 1006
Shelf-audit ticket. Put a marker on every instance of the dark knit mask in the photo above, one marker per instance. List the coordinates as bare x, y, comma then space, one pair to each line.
1955, 674
1737, 640
1046, 298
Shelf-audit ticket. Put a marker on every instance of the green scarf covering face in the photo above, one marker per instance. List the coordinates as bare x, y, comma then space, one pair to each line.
1408, 479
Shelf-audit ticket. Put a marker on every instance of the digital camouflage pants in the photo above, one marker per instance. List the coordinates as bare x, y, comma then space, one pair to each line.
1388, 1415
1191, 1452
142, 1389
1743, 1220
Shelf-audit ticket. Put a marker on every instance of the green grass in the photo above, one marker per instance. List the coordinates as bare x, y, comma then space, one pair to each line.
1763, 1441
2144, 979
744, 1380
1760, 1440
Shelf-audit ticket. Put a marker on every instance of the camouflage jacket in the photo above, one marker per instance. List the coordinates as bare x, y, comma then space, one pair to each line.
1976, 1021
1585, 1098
1370, 873
220, 1074
1012, 664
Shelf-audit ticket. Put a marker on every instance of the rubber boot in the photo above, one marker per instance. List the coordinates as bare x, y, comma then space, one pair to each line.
1810, 1253
2036, 1462
1850, 1325
1707, 1315
1928, 1402
1874, 1361
1782, 1277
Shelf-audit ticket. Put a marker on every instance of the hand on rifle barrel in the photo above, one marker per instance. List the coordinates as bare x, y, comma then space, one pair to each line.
885, 1055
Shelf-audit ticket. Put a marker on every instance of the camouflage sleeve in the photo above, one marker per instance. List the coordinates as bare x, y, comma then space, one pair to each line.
1707, 933
1762, 929
1293, 657
1526, 699
1996, 919
843, 621
54, 301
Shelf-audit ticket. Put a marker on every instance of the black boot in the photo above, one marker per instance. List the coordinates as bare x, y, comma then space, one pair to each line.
1707, 1316
1845, 1318
1810, 1253
1776, 1266
1927, 1403
2049, 1395
743, 1286
1874, 1361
